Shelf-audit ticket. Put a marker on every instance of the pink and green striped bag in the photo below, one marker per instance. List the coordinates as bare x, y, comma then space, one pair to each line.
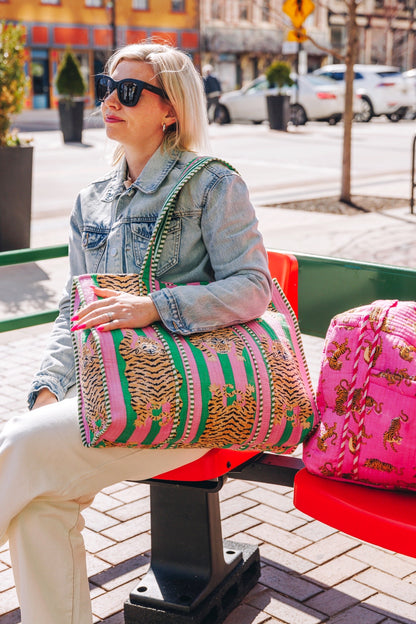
244, 387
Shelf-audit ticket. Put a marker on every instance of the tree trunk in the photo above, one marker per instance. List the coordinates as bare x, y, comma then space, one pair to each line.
350, 57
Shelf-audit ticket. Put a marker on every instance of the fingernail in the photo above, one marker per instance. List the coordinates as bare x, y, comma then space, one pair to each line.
100, 328
75, 317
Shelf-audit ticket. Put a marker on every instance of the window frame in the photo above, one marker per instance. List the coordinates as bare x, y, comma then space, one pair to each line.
181, 10
136, 8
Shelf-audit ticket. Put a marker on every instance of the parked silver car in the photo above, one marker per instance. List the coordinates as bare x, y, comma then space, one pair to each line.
382, 89
311, 99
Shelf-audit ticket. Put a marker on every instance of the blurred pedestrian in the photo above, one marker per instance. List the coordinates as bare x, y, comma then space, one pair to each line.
212, 87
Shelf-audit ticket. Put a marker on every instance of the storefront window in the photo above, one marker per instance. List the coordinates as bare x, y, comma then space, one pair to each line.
94, 3
141, 5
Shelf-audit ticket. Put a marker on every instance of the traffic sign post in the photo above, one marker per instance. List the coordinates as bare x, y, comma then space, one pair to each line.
298, 11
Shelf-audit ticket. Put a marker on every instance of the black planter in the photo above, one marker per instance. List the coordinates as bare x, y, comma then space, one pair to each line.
278, 108
15, 197
71, 117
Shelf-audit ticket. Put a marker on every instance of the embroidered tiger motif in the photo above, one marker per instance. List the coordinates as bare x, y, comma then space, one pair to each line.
334, 356
222, 341
326, 434
377, 464
291, 402
368, 351
230, 416
374, 319
342, 396
150, 378
92, 387
119, 282
392, 435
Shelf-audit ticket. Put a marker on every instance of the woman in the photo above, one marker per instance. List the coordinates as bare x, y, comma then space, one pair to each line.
153, 106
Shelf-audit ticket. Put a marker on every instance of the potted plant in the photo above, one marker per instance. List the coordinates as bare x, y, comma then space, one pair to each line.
16, 157
278, 106
71, 88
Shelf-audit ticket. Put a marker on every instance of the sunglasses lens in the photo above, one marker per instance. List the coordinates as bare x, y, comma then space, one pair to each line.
103, 87
129, 93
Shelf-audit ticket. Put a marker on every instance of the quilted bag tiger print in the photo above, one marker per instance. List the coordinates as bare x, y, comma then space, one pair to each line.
241, 387
367, 398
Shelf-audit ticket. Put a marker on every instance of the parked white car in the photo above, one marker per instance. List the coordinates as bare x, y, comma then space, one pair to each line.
382, 89
311, 99
410, 77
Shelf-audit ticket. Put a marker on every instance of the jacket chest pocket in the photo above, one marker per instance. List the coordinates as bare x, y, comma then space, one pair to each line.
94, 243
141, 234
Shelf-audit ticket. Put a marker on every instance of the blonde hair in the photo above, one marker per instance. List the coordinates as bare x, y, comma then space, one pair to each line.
183, 86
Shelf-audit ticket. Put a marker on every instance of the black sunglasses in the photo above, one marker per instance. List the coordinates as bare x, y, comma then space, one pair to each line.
128, 90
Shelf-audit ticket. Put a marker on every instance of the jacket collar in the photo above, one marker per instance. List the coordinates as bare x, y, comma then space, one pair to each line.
154, 173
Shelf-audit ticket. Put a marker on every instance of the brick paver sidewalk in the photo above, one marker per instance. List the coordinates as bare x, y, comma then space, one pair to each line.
311, 573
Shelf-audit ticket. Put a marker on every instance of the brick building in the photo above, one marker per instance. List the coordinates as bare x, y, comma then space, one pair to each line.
92, 29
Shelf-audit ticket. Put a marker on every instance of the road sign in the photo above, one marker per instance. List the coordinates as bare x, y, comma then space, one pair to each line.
298, 35
298, 11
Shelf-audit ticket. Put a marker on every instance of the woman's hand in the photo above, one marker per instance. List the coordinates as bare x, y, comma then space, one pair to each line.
116, 310
45, 397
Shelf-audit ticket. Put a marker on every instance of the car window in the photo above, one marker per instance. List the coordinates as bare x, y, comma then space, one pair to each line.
322, 79
388, 74
335, 75
258, 86
358, 76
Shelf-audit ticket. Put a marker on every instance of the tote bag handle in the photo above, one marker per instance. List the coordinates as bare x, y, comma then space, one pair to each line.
147, 280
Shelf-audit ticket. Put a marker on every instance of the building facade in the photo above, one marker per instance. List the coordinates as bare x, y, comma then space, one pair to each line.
93, 29
241, 37
386, 31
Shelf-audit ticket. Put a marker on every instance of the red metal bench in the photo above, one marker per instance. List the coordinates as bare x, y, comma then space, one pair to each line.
194, 575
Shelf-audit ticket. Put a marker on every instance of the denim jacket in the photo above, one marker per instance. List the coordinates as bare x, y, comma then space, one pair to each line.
213, 237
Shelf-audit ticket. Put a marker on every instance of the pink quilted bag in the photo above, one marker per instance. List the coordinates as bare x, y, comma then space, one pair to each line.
367, 398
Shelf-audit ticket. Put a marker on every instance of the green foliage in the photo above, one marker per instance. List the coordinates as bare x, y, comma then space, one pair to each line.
278, 74
13, 80
69, 80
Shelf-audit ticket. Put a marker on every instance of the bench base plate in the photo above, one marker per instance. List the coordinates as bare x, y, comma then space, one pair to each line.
213, 609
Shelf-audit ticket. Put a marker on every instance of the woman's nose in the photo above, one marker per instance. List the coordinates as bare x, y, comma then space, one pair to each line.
111, 99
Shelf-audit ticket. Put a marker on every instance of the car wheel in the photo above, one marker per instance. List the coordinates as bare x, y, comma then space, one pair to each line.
221, 115
366, 112
298, 115
396, 116
334, 119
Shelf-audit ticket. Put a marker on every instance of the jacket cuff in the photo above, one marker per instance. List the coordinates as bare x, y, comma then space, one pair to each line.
168, 311
44, 381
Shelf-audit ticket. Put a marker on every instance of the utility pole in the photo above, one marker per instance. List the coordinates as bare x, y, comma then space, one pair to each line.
111, 8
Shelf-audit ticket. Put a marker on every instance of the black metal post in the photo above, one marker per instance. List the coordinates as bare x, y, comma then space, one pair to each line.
194, 576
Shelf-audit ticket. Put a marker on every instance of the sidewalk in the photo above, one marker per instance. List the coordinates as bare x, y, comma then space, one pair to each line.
311, 573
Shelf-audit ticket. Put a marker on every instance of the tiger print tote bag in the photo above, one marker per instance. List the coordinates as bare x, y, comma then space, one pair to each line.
244, 387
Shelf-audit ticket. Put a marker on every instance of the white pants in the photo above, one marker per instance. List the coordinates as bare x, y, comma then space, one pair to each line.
46, 478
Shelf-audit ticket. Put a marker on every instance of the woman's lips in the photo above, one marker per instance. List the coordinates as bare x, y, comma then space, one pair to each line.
112, 119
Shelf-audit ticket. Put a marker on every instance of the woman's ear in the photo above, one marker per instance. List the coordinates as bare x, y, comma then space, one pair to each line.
169, 118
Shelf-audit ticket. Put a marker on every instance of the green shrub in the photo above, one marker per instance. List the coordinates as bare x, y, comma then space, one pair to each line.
278, 74
13, 80
69, 80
